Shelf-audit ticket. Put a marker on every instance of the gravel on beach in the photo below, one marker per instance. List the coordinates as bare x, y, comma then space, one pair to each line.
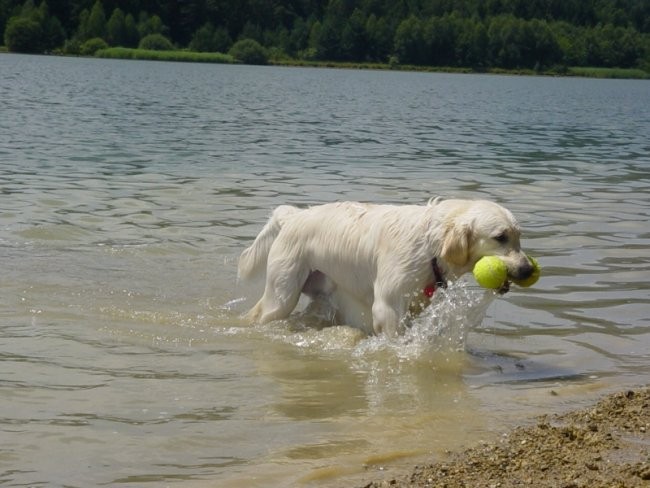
606, 445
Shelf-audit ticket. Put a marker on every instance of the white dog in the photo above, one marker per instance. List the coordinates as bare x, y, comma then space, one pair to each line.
375, 264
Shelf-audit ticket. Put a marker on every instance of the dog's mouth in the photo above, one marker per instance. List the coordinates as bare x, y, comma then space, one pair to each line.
505, 288
438, 274
521, 272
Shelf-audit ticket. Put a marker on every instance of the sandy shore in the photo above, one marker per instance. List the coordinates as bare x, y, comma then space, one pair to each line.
606, 445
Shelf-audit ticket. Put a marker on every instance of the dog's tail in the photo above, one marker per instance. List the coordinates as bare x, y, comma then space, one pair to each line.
253, 260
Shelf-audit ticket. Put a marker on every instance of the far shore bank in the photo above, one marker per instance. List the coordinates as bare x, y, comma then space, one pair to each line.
219, 58
585, 72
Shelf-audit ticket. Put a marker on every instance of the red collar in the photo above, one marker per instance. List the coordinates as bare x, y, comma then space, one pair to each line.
440, 282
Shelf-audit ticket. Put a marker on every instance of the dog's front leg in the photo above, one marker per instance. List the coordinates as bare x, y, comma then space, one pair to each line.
386, 317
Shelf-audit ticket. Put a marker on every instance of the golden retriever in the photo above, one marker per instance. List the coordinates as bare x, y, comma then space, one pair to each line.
374, 265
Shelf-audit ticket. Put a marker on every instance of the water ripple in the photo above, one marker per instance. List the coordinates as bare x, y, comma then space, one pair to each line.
127, 191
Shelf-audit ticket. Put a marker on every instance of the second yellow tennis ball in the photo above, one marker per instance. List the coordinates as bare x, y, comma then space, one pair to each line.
490, 272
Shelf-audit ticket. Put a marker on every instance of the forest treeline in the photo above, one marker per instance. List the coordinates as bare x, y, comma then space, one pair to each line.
531, 34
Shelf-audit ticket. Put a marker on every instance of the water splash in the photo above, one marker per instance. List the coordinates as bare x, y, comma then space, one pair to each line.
442, 327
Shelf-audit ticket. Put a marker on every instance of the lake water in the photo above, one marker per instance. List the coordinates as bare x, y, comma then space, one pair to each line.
128, 190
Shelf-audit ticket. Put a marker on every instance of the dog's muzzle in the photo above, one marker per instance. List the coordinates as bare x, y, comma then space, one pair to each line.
522, 271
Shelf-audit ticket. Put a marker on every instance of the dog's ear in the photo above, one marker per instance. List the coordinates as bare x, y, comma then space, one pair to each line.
455, 244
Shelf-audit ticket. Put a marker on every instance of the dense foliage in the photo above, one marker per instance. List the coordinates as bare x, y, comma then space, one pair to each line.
476, 33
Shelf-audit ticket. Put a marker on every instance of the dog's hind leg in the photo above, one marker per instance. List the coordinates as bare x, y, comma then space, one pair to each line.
284, 282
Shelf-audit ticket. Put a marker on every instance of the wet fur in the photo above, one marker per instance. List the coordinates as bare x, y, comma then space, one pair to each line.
370, 263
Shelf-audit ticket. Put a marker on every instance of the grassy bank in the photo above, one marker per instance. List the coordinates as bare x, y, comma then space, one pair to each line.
608, 73
574, 71
366, 65
586, 72
145, 54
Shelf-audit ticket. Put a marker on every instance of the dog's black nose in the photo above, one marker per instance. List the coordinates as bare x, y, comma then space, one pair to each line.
524, 270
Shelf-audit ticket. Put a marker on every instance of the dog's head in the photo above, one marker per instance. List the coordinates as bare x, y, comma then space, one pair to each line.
476, 228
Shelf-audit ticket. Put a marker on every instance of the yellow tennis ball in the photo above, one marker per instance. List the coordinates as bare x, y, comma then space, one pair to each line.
532, 279
490, 272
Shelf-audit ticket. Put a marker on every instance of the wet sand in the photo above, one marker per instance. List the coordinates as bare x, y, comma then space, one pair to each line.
606, 445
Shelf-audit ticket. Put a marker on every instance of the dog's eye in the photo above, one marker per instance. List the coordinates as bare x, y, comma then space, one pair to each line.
501, 238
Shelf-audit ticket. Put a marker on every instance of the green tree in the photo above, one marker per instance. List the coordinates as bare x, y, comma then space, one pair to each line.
23, 35
6, 8
409, 41
33, 29
91, 46
545, 49
314, 36
506, 42
29, 10
249, 51
328, 44
221, 40
116, 28
380, 38
439, 37
613, 46
278, 40
354, 41
299, 36
252, 31
53, 33
150, 25
210, 39
192, 15
131, 34
632, 47
82, 35
471, 44
507, 33
155, 42
571, 43
203, 39
96, 24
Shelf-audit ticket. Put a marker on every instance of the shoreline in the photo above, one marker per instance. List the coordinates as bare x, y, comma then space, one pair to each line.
568, 72
604, 445
219, 58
